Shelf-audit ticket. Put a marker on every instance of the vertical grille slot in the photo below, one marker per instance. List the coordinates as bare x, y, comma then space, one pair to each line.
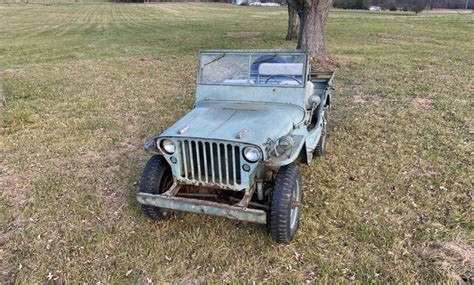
223, 164
209, 162
238, 178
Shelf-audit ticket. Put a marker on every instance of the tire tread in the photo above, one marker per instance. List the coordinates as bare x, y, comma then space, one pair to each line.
280, 203
152, 175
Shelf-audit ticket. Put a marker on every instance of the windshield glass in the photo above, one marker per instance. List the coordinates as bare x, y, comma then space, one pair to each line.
270, 68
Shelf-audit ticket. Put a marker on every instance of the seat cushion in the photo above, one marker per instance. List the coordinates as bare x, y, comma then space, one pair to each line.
239, 81
289, 69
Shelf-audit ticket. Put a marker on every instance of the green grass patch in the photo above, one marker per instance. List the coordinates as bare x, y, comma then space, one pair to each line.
86, 86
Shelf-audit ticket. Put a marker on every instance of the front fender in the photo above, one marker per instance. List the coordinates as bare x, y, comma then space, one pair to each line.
150, 146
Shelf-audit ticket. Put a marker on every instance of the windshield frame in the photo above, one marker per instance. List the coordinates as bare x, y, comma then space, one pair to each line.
219, 54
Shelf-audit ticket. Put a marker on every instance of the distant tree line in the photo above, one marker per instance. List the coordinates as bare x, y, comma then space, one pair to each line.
406, 5
247, 2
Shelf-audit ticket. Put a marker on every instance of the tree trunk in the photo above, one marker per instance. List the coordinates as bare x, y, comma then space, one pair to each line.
293, 24
313, 29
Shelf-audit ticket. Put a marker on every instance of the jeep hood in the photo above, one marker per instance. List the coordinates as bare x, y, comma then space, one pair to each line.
251, 123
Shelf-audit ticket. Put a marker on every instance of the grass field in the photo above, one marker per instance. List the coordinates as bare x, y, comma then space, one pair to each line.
87, 85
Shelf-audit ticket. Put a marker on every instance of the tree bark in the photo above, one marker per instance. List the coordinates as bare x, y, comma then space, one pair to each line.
293, 24
313, 16
313, 36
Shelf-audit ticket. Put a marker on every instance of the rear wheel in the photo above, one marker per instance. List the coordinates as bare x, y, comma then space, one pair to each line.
285, 203
157, 178
321, 146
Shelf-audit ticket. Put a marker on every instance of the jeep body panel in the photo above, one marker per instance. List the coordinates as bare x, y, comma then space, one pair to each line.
243, 122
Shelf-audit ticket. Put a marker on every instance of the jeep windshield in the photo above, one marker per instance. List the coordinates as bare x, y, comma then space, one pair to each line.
252, 68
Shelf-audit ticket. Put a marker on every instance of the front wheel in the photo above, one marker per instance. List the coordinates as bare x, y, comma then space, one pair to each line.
285, 203
157, 178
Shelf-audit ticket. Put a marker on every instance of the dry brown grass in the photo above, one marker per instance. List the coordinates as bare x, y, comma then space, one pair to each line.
455, 259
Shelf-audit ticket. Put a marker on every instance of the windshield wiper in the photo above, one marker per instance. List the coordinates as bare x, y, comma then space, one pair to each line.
215, 59
270, 57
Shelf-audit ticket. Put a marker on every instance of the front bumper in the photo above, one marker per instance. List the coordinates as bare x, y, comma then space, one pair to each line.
235, 212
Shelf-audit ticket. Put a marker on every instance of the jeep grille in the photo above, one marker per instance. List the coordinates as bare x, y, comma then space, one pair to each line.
212, 163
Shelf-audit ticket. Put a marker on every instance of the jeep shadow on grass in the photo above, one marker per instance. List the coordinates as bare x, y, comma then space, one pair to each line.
258, 115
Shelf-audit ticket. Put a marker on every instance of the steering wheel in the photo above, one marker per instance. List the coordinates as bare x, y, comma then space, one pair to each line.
286, 76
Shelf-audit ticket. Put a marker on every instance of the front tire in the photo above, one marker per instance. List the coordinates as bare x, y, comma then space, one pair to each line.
157, 178
285, 203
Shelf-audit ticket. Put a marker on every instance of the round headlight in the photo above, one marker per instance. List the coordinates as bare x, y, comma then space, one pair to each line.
284, 143
168, 146
251, 154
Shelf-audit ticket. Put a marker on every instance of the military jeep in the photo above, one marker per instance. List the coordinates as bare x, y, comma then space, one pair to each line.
257, 116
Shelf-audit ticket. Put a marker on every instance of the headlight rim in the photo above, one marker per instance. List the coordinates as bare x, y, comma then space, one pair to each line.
164, 148
284, 143
257, 151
